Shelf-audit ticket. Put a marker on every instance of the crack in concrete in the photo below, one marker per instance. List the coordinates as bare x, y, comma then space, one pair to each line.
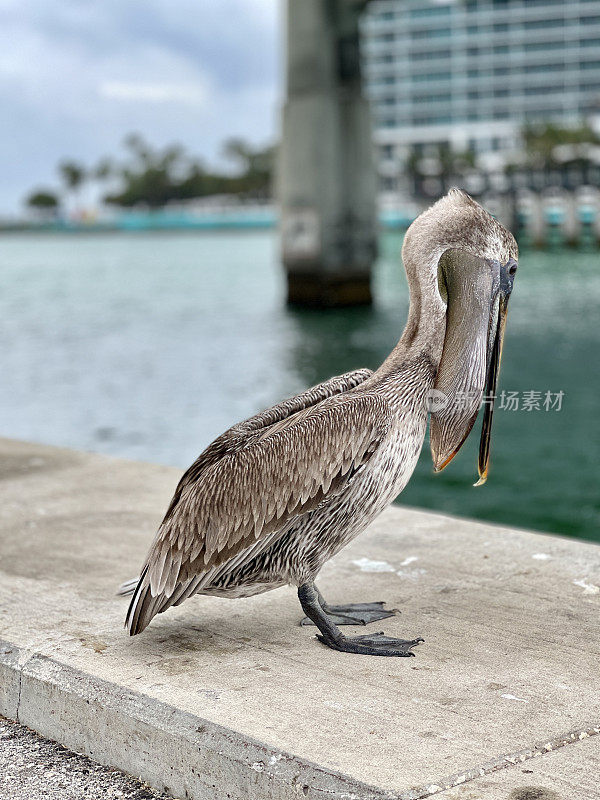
502, 762
19, 689
20, 667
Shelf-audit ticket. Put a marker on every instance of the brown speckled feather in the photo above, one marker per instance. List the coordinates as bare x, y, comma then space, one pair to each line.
253, 479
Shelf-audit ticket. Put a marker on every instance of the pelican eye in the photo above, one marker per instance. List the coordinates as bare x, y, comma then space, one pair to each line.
512, 269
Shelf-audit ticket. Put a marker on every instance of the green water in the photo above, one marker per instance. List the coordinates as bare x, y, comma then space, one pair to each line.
148, 346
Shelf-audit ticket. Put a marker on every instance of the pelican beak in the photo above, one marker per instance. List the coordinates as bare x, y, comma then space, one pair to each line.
477, 295
507, 273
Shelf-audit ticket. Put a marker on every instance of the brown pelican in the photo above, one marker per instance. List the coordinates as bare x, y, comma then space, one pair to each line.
276, 496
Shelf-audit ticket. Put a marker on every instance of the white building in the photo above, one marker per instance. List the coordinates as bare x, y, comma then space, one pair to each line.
471, 73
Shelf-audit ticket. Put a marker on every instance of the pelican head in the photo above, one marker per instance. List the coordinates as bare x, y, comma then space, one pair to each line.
466, 262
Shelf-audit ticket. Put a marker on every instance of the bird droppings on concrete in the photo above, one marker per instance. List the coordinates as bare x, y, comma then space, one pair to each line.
409, 560
512, 697
367, 565
588, 588
32, 768
411, 574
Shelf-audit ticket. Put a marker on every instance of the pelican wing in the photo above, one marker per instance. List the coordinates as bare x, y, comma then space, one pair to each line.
243, 432
238, 436
281, 473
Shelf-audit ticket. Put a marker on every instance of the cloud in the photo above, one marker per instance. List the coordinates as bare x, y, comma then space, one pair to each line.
76, 76
153, 92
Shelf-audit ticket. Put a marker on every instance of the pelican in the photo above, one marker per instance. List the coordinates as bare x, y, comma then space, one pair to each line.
275, 497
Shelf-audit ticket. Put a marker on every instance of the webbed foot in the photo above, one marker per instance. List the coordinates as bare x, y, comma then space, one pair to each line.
374, 644
355, 613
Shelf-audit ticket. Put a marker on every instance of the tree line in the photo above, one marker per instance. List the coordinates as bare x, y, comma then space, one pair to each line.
154, 177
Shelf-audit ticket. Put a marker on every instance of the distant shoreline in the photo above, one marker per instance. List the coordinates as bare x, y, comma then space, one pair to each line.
178, 222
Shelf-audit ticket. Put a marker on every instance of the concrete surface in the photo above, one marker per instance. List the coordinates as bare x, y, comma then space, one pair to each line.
569, 772
222, 698
32, 768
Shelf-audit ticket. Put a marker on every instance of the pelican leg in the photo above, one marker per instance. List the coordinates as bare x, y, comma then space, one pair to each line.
352, 613
376, 644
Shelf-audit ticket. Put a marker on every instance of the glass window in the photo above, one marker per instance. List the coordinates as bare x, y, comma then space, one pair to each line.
430, 11
535, 24
431, 98
383, 80
533, 46
432, 120
540, 68
541, 90
436, 33
386, 58
419, 55
542, 113
430, 76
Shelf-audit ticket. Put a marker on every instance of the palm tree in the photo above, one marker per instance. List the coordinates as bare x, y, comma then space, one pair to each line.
104, 169
254, 166
239, 152
44, 202
137, 145
73, 176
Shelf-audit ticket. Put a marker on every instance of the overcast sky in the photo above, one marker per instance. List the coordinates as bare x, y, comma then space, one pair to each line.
77, 75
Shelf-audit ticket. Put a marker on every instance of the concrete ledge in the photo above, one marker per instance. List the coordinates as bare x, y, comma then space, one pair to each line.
176, 752
232, 699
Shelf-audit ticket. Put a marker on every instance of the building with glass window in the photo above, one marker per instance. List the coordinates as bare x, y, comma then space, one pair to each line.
471, 73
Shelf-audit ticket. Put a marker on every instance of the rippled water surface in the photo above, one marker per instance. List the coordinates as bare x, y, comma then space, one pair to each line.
148, 346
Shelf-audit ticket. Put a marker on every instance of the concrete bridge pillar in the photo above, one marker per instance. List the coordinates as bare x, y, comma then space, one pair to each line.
327, 178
